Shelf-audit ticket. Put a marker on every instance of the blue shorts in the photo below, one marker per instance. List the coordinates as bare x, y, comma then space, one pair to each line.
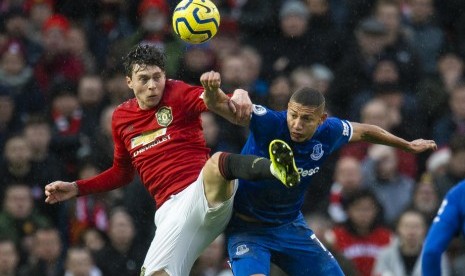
292, 246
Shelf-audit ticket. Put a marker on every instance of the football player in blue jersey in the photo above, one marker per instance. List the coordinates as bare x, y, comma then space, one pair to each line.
268, 224
449, 222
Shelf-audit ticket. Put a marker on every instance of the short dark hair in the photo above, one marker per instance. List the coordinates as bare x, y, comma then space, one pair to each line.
143, 55
308, 97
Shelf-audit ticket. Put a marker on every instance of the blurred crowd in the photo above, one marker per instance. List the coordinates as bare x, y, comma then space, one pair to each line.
398, 64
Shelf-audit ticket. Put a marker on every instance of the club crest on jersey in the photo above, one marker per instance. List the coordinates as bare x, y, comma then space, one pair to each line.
317, 152
164, 116
259, 110
241, 250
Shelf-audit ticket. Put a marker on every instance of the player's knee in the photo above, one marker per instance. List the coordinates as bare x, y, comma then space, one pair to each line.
212, 166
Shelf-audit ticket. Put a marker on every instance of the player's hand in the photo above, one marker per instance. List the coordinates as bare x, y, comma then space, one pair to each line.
241, 105
60, 191
211, 81
421, 145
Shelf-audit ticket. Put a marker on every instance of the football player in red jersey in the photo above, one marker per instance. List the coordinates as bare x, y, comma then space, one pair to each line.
158, 134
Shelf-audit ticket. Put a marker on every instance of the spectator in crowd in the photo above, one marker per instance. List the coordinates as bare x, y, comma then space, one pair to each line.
66, 115
109, 26
87, 211
79, 262
437, 163
16, 165
403, 255
38, 134
361, 238
38, 11
293, 46
18, 218
433, 92
393, 189
455, 169
425, 198
93, 239
102, 144
397, 45
196, 59
18, 76
46, 253
91, 96
425, 34
253, 82
255, 19
57, 63
347, 179
279, 93
17, 27
9, 122
77, 45
116, 87
454, 122
227, 41
354, 72
9, 259
122, 255
404, 109
323, 30
323, 77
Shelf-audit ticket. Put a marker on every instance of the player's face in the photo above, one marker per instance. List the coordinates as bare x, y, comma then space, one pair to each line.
148, 84
303, 121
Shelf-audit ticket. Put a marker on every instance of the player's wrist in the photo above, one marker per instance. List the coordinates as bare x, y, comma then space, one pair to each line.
76, 187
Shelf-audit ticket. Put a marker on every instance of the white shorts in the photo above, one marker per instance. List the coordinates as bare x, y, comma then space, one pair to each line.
185, 227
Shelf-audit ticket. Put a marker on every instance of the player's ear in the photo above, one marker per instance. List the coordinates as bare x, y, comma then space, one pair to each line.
323, 117
129, 82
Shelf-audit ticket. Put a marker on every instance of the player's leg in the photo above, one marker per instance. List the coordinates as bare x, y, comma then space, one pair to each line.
249, 258
186, 225
302, 253
222, 168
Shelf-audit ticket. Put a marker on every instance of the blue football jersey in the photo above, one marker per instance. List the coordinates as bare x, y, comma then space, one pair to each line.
449, 222
269, 200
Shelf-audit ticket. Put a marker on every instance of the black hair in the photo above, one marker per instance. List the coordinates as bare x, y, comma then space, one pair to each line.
355, 197
143, 55
308, 97
414, 211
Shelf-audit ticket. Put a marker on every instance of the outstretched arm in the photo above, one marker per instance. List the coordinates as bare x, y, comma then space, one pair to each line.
236, 109
110, 179
377, 135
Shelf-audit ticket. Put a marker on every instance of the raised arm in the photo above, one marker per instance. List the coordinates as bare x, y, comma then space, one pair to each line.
236, 109
377, 135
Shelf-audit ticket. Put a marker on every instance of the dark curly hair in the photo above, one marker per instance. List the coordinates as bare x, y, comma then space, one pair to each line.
143, 55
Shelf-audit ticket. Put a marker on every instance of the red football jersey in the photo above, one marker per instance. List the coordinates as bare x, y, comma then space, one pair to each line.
164, 144
361, 250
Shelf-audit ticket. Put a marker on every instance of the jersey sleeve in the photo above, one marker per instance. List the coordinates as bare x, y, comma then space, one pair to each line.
339, 132
445, 226
266, 122
191, 98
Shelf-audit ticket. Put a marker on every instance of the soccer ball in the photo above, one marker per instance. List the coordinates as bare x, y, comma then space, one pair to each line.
196, 21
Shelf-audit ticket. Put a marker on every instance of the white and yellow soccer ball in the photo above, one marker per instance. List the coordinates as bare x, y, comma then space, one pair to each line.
196, 21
